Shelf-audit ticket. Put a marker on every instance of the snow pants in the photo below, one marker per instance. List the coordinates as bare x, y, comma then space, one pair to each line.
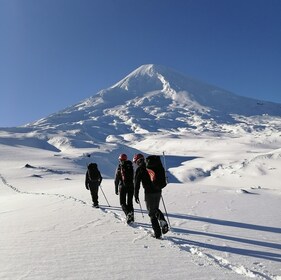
126, 194
152, 201
94, 189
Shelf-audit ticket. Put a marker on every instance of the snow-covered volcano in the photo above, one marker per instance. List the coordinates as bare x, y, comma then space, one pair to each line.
152, 101
154, 98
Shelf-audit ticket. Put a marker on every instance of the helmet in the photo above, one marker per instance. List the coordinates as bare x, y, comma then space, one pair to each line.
123, 157
137, 157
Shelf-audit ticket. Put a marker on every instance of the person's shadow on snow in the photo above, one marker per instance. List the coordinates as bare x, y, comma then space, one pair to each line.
187, 243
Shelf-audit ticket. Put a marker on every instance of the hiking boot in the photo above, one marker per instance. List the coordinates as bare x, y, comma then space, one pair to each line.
156, 227
156, 236
96, 205
130, 217
164, 226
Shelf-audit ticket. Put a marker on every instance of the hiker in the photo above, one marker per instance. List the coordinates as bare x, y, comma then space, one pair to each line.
93, 181
152, 194
124, 186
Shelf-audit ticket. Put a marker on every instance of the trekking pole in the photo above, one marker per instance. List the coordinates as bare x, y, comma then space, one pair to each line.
165, 167
104, 196
166, 211
141, 210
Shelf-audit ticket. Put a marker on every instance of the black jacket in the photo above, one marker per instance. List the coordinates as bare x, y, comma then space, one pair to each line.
119, 182
142, 176
89, 183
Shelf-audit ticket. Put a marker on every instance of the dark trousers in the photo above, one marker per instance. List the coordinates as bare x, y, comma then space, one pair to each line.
126, 199
152, 201
94, 189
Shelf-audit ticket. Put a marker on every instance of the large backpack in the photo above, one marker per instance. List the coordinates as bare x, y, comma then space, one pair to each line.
156, 171
93, 172
127, 172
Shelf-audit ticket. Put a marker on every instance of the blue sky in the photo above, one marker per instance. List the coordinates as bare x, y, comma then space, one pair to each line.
55, 53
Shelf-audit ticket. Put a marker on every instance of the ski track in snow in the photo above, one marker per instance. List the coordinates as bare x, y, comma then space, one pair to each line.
171, 240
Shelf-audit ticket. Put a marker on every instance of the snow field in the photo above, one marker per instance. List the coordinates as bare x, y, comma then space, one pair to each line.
52, 232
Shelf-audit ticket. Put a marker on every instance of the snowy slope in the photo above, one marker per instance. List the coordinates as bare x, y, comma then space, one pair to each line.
50, 231
155, 97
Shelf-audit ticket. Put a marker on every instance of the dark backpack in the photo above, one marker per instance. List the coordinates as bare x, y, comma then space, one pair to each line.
93, 172
127, 172
156, 171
